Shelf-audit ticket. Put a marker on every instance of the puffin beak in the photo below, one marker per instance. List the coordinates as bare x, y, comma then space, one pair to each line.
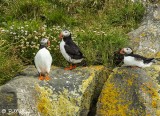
60, 36
122, 51
48, 43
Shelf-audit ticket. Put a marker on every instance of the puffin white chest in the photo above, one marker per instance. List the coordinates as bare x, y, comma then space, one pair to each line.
131, 61
43, 61
63, 51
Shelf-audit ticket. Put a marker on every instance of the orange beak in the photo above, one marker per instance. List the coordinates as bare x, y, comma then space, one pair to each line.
49, 43
60, 36
122, 51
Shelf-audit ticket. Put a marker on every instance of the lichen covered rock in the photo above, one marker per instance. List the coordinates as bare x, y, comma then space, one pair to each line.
130, 92
67, 93
145, 39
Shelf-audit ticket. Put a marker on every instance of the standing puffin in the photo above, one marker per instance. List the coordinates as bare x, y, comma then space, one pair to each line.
131, 59
70, 50
43, 60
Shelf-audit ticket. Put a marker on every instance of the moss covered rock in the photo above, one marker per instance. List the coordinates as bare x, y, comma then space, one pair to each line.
130, 92
67, 93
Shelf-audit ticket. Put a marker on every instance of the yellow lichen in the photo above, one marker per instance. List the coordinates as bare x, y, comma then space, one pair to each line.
112, 104
44, 104
47, 106
153, 92
158, 112
157, 55
143, 34
68, 103
9, 98
97, 68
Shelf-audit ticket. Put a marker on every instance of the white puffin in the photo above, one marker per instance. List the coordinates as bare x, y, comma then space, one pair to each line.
43, 60
135, 60
70, 50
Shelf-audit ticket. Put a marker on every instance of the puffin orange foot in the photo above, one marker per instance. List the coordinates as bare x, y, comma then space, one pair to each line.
69, 68
47, 78
41, 78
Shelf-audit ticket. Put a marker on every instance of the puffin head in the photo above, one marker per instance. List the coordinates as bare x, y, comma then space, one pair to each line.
45, 42
126, 51
64, 34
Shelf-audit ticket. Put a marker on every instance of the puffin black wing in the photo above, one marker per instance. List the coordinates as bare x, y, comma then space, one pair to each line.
138, 57
73, 50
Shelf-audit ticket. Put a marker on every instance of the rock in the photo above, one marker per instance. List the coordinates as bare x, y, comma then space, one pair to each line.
130, 92
67, 93
145, 39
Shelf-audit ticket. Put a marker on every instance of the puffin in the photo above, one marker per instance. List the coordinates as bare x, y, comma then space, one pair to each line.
118, 56
70, 51
135, 60
43, 60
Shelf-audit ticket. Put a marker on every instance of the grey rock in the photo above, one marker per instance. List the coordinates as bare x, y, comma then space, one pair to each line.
68, 93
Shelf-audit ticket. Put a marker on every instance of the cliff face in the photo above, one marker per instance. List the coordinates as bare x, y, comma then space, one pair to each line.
67, 93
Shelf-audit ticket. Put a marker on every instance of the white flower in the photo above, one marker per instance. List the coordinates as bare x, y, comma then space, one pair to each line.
44, 33
45, 26
2, 30
22, 27
82, 31
103, 32
22, 31
16, 38
11, 27
35, 31
21, 45
36, 37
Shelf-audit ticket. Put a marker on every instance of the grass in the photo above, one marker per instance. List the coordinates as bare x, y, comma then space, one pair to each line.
98, 27
10, 65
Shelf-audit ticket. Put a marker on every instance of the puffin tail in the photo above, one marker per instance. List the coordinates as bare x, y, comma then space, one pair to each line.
153, 60
158, 59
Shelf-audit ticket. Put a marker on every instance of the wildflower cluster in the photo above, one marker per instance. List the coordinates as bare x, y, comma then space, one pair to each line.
26, 40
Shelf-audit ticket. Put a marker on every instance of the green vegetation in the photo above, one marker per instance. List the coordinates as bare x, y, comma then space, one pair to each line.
10, 65
99, 27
